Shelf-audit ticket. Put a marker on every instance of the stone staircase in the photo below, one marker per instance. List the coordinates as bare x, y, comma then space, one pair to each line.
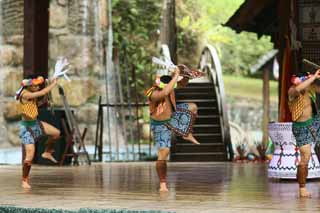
207, 129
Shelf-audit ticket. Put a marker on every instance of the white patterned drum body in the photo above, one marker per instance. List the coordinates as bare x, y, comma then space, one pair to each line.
286, 155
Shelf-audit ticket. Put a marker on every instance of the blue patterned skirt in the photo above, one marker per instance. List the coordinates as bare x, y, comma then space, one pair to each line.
30, 131
307, 132
181, 123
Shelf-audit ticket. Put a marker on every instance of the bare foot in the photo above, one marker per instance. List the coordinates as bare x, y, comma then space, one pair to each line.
304, 193
191, 139
48, 155
25, 184
163, 187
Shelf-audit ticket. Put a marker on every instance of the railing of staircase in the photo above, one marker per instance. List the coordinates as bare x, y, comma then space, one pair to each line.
210, 63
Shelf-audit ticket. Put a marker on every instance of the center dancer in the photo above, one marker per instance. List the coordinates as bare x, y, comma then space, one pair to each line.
166, 117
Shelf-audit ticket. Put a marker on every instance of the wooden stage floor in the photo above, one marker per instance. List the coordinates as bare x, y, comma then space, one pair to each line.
194, 187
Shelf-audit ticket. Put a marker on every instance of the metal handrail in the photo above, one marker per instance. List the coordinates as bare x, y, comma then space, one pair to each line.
209, 61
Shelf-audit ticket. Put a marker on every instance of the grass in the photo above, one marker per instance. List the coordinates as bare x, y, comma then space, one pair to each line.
244, 87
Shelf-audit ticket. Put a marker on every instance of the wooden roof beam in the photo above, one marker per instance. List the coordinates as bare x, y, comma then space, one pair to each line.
245, 16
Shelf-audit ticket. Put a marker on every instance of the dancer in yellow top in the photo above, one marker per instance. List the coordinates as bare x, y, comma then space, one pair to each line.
306, 122
30, 127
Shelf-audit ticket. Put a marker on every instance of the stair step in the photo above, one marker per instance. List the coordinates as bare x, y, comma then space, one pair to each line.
212, 111
197, 100
205, 134
208, 110
207, 137
195, 92
198, 95
195, 89
207, 128
202, 140
206, 125
209, 84
205, 108
200, 102
194, 157
187, 143
208, 119
187, 147
198, 153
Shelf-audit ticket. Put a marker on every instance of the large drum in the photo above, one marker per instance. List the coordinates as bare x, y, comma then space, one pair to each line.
286, 155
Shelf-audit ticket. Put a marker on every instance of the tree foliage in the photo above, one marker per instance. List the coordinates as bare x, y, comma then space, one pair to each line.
136, 25
136, 33
200, 22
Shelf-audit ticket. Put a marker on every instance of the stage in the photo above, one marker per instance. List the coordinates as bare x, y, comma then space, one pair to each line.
194, 187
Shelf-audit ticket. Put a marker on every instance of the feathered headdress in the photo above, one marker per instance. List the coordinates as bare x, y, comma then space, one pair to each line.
168, 66
60, 70
295, 80
28, 82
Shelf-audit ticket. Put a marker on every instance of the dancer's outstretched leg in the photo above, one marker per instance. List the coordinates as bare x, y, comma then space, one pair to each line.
192, 107
190, 138
53, 134
47, 154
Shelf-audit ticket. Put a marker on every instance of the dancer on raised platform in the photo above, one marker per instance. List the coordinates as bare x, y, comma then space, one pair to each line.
306, 121
31, 129
167, 116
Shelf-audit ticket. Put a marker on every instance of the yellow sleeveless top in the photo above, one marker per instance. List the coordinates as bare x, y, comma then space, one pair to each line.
296, 106
29, 109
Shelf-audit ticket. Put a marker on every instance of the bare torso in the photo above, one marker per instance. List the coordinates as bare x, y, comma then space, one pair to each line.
167, 110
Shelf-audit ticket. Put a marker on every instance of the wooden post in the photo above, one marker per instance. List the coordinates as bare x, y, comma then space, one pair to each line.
168, 31
36, 31
266, 107
280, 43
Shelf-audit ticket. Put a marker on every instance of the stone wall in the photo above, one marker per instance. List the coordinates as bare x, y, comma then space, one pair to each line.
77, 11
246, 116
76, 33
248, 113
12, 17
11, 60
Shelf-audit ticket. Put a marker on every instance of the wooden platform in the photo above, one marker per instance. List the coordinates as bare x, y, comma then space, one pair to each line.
206, 187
